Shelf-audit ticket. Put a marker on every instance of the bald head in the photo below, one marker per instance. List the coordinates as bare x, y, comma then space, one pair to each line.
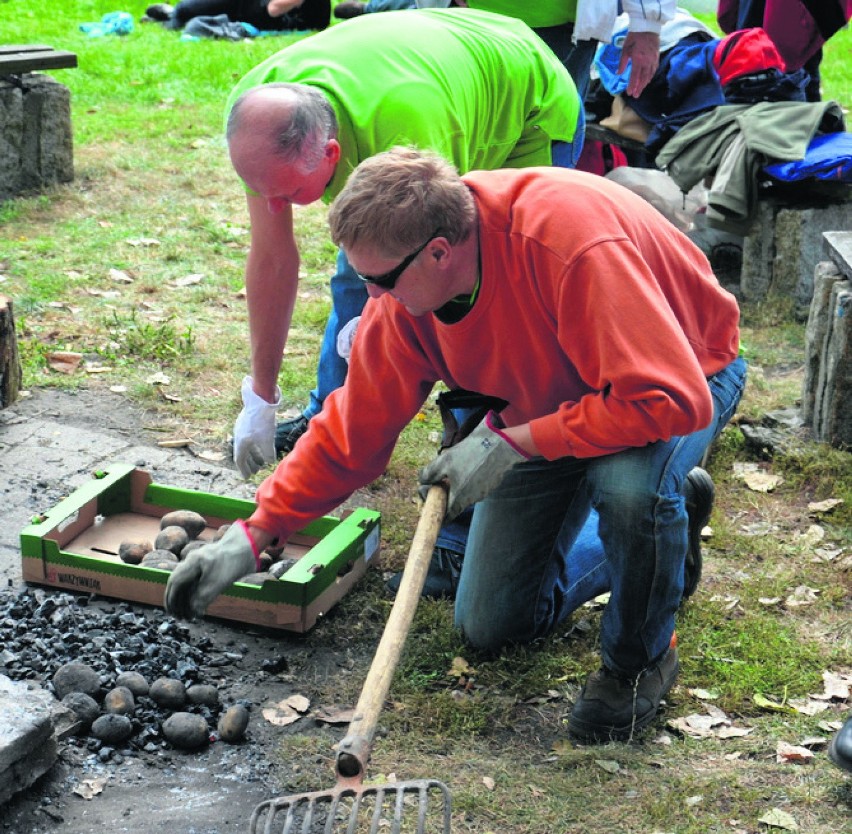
293, 122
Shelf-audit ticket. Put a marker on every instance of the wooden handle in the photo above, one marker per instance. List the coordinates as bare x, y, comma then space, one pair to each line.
354, 750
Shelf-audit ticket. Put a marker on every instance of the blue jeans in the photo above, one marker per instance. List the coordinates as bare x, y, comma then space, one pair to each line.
556, 534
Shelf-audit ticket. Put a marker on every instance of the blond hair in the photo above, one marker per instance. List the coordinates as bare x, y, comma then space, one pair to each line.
395, 200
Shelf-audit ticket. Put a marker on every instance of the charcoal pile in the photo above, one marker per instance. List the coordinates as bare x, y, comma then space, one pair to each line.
137, 681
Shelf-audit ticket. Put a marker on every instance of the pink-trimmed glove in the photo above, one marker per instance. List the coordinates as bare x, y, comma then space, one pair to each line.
208, 570
474, 466
254, 431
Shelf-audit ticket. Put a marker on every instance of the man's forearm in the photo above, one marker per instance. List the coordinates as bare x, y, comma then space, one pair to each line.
271, 297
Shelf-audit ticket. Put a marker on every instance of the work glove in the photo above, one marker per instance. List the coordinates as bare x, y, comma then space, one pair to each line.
254, 431
474, 466
208, 570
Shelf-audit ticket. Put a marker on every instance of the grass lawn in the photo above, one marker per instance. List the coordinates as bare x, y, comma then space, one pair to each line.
137, 266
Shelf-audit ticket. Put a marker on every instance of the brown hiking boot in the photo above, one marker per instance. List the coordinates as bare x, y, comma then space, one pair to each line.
613, 708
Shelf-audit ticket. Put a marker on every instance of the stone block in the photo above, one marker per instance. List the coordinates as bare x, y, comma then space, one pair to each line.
832, 418
798, 246
36, 142
825, 277
759, 253
28, 745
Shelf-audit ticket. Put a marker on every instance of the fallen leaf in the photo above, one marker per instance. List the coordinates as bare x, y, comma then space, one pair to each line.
188, 280
299, 703
826, 554
769, 600
120, 276
89, 788
776, 818
488, 782
692, 801
824, 506
176, 443
768, 703
733, 732
143, 241
461, 668
213, 457
64, 361
158, 378
801, 596
812, 536
704, 694
334, 715
792, 753
808, 706
118, 389
812, 742
836, 686
762, 481
281, 714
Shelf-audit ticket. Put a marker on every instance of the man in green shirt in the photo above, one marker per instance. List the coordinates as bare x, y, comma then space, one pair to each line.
480, 89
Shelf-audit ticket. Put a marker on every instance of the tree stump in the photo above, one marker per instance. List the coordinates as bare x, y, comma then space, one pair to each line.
10, 364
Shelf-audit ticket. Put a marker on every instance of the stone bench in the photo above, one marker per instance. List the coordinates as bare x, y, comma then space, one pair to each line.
784, 243
36, 142
827, 386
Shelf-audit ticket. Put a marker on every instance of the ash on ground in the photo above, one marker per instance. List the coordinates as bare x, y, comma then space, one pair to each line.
44, 631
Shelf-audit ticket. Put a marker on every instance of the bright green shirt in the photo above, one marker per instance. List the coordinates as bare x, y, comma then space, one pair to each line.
536, 13
481, 89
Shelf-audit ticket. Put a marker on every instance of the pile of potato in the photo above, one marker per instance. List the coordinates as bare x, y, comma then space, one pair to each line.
179, 536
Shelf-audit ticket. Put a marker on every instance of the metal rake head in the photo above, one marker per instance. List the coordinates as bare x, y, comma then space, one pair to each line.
419, 806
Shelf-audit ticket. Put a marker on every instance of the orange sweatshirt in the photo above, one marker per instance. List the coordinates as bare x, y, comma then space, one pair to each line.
596, 320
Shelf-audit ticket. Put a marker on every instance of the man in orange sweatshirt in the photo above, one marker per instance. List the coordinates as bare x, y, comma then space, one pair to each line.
603, 329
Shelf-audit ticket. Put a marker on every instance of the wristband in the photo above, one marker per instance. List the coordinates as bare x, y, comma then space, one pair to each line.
493, 421
255, 552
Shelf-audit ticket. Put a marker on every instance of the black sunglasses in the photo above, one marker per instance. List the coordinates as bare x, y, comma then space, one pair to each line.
387, 281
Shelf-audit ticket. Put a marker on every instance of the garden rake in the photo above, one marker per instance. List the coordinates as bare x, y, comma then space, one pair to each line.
420, 806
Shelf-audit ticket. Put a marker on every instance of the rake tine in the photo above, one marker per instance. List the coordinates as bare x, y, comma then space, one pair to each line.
398, 811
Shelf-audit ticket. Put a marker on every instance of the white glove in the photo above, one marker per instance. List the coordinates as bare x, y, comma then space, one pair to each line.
254, 431
346, 337
208, 570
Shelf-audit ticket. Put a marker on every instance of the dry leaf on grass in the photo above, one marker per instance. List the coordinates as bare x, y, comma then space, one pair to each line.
792, 753
188, 280
64, 361
802, 596
776, 818
120, 276
836, 687
824, 506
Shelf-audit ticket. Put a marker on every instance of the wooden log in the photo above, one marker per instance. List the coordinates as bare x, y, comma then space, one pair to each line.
10, 363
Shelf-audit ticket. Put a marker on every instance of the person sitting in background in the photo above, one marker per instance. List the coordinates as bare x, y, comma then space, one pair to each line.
265, 15
605, 332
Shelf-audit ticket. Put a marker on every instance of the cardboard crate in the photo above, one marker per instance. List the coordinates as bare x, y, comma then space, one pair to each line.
74, 546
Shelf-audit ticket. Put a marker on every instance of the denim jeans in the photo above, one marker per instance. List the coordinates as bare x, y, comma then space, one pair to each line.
533, 557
